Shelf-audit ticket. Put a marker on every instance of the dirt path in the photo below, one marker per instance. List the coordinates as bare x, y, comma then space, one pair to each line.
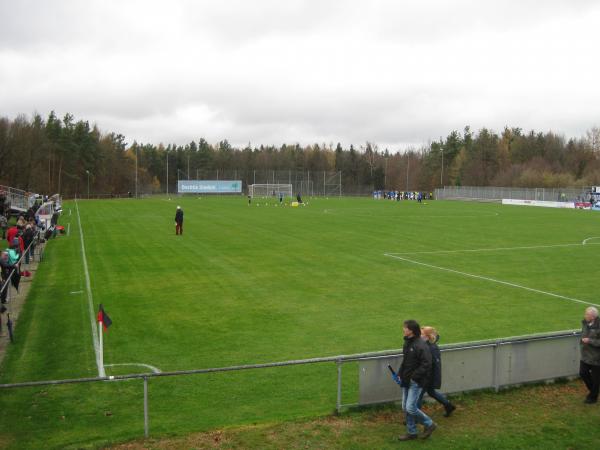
16, 300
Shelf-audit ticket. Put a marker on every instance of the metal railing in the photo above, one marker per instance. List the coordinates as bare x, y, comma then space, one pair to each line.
16, 198
371, 362
490, 193
490, 364
6, 284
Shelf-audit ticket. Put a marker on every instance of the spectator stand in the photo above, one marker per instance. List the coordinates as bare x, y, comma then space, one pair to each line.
14, 201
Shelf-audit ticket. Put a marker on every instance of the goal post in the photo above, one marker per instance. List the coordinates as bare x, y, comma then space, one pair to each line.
269, 190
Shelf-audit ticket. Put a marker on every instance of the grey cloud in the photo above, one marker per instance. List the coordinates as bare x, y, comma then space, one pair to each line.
271, 72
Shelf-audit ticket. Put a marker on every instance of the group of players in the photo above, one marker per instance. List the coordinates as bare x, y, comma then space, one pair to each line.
401, 195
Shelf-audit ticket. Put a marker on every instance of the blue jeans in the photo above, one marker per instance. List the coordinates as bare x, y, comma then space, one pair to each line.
438, 396
410, 405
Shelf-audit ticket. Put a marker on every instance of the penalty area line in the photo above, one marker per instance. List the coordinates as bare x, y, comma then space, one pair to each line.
492, 280
497, 249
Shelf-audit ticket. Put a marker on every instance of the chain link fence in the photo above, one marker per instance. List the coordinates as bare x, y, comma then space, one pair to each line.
308, 183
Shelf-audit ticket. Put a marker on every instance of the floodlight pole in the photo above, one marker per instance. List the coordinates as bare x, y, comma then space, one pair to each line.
167, 152
385, 174
88, 177
442, 172
407, 167
136, 171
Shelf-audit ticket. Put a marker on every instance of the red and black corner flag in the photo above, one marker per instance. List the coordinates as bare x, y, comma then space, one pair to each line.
103, 317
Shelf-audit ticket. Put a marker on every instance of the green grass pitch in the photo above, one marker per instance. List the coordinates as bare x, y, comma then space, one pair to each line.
251, 284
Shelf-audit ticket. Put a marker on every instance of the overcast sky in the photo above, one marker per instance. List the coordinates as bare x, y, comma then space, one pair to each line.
395, 73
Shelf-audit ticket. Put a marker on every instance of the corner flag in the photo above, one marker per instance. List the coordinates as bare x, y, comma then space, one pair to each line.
103, 317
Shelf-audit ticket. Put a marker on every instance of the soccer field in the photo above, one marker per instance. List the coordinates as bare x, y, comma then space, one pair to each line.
252, 284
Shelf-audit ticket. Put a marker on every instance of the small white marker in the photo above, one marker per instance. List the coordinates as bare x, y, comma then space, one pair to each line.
111, 377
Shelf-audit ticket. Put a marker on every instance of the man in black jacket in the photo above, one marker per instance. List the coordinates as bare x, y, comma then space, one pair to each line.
414, 373
589, 366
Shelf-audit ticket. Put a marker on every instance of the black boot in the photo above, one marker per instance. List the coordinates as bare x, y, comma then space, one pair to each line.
449, 408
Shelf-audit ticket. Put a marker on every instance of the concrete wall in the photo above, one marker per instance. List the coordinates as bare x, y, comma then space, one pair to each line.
479, 365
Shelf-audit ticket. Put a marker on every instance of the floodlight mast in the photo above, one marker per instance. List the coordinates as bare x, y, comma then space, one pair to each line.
136, 171
442, 172
88, 180
167, 153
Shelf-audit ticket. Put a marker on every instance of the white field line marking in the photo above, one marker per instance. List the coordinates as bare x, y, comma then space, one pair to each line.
90, 299
152, 368
69, 228
76, 292
585, 241
493, 280
490, 249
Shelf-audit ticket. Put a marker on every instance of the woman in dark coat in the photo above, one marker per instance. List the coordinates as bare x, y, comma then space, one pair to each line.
431, 337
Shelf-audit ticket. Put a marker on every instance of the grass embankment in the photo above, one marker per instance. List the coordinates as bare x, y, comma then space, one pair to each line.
532, 417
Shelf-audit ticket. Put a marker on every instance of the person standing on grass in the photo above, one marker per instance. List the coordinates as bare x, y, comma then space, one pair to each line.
430, 336
28, 236
414, 373
589, 366
179, 221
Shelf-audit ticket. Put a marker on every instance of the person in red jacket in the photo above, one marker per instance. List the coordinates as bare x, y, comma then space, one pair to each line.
11, 234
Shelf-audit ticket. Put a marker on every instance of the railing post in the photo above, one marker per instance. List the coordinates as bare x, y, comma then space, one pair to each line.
495, 375
146, 425
338, 405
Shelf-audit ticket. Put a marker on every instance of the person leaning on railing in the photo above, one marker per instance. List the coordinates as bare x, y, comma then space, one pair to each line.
589, 366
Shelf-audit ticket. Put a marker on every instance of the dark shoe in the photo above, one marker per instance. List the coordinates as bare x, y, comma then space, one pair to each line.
449, 410
590, 400
428, 430
407, 437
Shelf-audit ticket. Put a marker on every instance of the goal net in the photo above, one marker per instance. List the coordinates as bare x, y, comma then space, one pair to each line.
270, 190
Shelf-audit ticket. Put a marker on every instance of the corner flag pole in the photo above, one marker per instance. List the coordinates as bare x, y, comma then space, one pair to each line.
101, 349
103, 323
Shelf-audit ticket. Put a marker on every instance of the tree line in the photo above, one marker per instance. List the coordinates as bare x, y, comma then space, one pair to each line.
63, 155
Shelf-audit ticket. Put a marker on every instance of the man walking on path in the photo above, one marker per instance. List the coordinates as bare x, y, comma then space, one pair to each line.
179, 221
